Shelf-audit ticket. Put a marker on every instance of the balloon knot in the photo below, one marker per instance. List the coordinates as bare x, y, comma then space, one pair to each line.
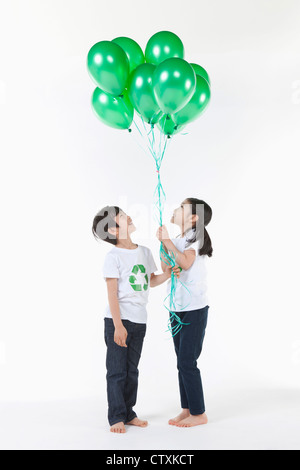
169, 137
168, 117
129, 130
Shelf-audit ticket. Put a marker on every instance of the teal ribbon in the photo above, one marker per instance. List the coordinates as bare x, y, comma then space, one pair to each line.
157, 150
175, 323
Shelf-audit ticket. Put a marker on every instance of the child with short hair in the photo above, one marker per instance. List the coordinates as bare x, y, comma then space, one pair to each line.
129, 272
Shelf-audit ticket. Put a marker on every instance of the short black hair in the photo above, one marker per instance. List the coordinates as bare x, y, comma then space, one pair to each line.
104, 220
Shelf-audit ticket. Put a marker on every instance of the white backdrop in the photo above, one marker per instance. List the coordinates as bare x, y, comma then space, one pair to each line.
60, 165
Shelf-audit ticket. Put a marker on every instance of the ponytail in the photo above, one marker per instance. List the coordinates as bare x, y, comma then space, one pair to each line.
207, 248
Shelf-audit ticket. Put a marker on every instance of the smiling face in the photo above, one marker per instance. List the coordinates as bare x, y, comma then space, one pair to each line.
182, 216
126, 226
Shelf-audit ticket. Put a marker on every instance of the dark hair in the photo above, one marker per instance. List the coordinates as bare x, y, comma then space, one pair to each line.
103, 221
198, 229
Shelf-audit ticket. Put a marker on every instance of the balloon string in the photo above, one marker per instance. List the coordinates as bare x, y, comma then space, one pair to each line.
175, 324
158, 151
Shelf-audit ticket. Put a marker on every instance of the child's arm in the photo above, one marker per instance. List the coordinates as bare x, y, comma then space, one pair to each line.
157, 279
120, 335
184, 260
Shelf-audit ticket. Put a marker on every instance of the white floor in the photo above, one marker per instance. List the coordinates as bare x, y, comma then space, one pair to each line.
244, 419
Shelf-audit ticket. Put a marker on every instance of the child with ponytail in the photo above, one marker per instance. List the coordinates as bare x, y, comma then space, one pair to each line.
191, 250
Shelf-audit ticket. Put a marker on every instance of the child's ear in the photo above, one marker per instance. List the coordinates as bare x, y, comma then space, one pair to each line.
112, 231
195, 217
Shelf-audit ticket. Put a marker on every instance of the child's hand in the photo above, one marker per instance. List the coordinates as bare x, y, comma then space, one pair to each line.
176, 270
120, 336
162, 233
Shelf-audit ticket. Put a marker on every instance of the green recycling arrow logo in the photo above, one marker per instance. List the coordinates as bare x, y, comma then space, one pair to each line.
139, 279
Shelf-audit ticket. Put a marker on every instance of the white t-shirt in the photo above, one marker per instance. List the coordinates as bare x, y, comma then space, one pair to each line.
133, 269
194, 279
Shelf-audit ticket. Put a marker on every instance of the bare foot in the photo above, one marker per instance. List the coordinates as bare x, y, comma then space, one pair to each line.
118, 427
138, 422
184, 414
193, 420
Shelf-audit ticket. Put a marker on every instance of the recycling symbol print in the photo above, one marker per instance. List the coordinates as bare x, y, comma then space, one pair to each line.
139, 279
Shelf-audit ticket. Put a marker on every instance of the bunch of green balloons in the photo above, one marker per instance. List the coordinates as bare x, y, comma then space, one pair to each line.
162, 87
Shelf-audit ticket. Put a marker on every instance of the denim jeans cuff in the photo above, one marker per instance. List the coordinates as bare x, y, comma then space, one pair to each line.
131, 416
184, 406
193, 412
115, 421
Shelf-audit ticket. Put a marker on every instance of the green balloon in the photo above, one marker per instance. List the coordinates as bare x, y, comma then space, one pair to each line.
163, 45
201, 71
141, 93
115, 111
133, 51
109, 66
167, 126
174, 83
196, 105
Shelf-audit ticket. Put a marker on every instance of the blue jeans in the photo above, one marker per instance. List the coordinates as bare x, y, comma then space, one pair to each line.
122, 370
188, 345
